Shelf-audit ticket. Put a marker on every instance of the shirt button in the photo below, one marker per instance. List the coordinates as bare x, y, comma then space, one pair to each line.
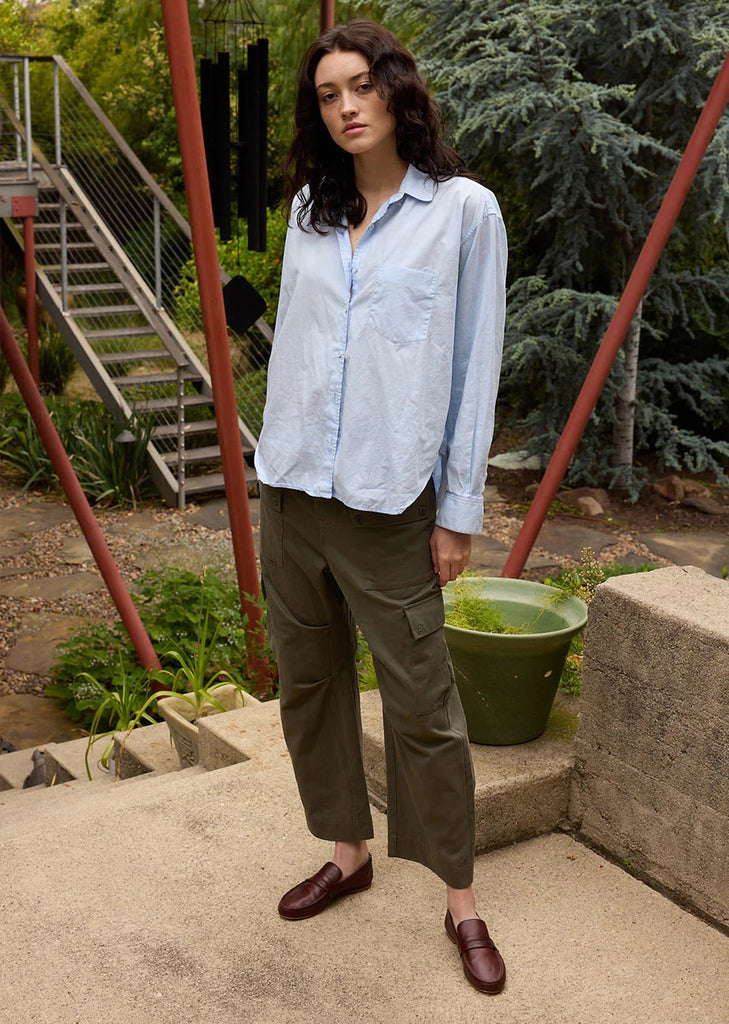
419, 628
422, 510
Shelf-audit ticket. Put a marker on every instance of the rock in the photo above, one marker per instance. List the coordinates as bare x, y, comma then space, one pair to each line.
706, 505
692, 487
517, 460
670, 487
707, 549
596, 494
75, 551
588, 506
531, 489
567, 537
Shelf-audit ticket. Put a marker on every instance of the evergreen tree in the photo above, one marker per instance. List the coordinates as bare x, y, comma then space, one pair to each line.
576, 114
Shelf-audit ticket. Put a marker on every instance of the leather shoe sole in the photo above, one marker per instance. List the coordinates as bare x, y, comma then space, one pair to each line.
482, 962
315, 894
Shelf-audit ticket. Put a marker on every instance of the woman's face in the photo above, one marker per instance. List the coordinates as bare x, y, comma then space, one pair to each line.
355, 115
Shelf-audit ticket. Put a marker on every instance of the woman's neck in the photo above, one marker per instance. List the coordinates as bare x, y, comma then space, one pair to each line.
378, 174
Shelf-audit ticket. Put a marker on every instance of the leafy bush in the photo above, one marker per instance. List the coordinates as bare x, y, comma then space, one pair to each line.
583, 581
108, 470
56, 361
193, 620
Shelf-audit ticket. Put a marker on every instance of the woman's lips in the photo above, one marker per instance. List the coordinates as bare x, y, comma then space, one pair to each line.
354, 129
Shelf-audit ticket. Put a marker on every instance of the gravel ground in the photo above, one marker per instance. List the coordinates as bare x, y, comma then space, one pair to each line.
40, 554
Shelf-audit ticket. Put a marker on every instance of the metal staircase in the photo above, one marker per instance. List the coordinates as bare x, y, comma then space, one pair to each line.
109, 306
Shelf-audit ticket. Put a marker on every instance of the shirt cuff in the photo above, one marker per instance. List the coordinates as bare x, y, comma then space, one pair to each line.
461, 513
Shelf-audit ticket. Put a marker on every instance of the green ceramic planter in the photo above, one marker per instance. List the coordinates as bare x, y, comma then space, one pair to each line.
508, 682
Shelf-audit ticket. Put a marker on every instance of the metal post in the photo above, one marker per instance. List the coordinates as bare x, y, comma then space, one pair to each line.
16, 107
157, 255
326, 15
192, 150
31, 313
77, 499
622, 318
57, 113
28, 130
180, 437
63, 226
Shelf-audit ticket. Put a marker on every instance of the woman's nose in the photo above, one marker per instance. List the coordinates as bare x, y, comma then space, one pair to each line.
349, 105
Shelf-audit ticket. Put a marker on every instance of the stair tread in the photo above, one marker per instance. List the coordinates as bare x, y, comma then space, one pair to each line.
212, 481
194, 427
164, 377
158, 404
142, 355
89, 311
143, 330
194, 454
71, 246
74, 268
97, 286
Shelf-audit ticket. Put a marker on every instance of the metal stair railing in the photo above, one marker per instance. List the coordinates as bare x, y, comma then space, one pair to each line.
136, 249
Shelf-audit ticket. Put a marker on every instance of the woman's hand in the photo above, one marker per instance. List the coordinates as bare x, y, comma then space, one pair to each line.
450, 552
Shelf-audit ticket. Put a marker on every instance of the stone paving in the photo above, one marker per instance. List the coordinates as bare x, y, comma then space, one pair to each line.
154, 544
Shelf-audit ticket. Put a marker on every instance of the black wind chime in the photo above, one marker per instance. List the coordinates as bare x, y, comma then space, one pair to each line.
236, 54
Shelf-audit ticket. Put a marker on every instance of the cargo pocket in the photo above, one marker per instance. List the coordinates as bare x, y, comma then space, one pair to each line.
429, 672
402, 303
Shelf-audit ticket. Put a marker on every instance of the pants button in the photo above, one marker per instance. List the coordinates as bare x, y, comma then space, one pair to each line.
422, 510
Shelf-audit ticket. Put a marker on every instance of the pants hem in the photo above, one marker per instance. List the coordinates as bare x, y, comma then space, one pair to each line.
458, 877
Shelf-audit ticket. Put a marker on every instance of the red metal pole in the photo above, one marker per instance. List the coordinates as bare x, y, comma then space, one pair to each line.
615, 334
192, 151
326, 15
77, 499
31, 313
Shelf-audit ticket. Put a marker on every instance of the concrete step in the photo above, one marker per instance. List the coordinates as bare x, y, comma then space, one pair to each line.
44, 810
145, 750
521, 791
66, 762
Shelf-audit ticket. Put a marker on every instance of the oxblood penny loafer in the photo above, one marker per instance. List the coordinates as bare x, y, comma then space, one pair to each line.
313, 895
482, 963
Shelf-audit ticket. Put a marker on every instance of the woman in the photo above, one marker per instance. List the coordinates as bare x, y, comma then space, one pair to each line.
379, 415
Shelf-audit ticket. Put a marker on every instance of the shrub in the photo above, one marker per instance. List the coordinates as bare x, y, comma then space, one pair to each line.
188, 618
108, 470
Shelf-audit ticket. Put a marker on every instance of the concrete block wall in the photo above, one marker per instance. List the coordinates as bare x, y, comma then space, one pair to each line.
651, 783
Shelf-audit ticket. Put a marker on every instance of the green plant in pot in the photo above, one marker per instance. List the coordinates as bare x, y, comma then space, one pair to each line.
204, 692
508, 641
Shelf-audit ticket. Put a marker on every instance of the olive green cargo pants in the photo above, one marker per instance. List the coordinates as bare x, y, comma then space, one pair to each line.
326, 566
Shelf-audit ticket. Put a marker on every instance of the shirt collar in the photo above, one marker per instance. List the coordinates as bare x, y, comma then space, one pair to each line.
417, 184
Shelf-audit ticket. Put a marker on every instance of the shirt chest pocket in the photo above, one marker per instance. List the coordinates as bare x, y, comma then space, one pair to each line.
402, 303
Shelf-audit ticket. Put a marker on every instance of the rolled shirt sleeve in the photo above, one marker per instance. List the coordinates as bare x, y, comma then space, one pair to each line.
478, 345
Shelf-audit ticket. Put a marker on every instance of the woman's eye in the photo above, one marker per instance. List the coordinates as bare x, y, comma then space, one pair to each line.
326, 97
365, 86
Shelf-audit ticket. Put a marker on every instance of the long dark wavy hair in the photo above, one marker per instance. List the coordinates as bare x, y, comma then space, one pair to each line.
314, 159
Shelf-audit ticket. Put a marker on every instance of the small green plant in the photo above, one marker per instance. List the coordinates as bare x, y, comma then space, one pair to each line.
108, 470
118, 708
56, 362
192, 677
479, 613
582, 581
195, 625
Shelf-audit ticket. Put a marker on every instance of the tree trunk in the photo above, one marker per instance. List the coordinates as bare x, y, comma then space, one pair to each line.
623, 430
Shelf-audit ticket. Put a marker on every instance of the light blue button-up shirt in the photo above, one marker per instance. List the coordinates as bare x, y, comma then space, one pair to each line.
385, 364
